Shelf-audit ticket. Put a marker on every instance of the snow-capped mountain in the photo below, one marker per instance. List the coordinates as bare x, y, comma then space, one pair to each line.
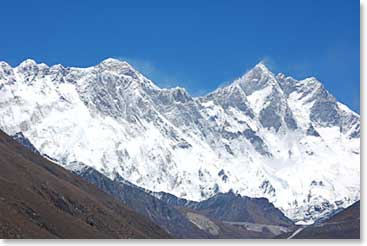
264, 135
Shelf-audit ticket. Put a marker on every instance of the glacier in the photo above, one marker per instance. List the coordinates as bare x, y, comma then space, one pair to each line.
264, 135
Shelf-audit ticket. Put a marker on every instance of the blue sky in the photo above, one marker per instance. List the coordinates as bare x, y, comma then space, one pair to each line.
198, 45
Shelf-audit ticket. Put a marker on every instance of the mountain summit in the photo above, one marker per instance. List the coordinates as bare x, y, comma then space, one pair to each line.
264, 135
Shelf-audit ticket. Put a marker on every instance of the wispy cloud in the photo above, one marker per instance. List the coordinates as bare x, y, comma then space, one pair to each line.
269, 62
166, 79
151, 71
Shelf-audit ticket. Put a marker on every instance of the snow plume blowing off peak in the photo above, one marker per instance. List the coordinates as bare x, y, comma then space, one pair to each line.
116, 64
264, 135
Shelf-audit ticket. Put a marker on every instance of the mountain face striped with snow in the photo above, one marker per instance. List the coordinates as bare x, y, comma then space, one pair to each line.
264, 135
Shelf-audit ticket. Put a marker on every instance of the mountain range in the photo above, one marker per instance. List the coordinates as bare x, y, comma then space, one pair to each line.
40, 199
264, 135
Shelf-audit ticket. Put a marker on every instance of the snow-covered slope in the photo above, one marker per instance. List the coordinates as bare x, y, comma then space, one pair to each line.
264, 135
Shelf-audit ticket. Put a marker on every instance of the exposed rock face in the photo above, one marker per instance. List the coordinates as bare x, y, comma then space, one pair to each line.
261, 128
230, 207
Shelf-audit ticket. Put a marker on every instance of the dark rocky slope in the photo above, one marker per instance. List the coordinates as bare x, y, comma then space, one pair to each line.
231, 207
343, 225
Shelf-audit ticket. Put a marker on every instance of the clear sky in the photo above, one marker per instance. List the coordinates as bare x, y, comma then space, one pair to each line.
199, 45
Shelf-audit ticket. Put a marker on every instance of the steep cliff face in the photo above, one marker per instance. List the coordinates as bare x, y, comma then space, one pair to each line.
264, 135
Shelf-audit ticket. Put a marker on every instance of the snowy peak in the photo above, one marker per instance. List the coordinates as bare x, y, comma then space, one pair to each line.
28, 67
305, 88
116, 65
261, 66
27, 63
120, 71
264, 98
313, 98
259, 77
114, 62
